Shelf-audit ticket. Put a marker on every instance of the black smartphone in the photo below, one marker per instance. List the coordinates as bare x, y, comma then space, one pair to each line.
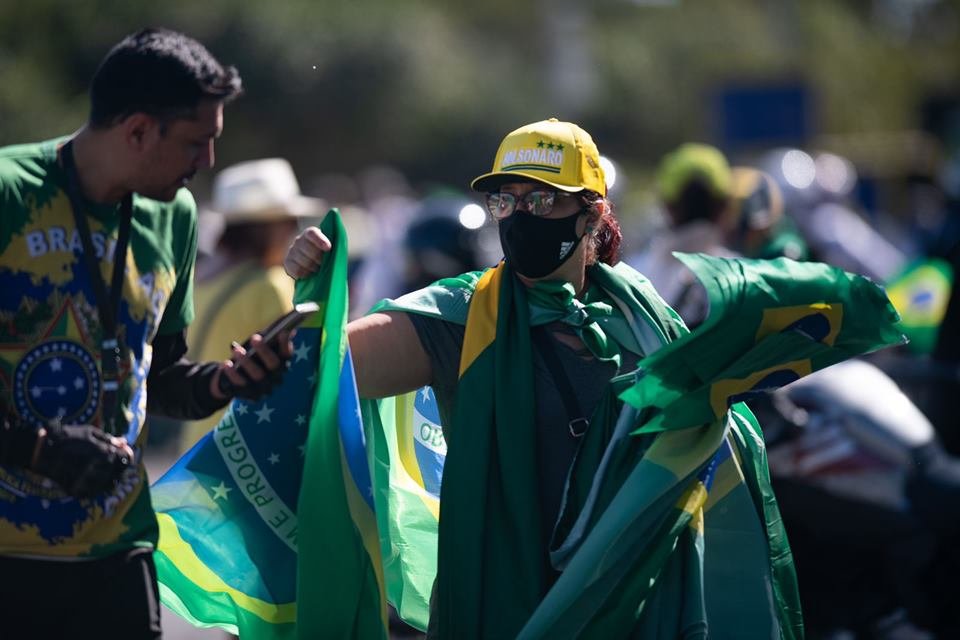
271, 334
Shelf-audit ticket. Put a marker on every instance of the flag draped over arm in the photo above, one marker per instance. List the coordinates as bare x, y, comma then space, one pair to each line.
267, 524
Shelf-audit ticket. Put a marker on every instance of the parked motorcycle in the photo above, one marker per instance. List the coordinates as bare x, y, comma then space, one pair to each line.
871, 503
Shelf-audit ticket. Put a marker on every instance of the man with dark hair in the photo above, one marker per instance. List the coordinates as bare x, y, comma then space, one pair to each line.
97, 247
128, 79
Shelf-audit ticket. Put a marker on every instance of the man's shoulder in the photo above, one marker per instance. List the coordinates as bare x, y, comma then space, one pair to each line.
29, 160
28, 150
176, 218
183, 203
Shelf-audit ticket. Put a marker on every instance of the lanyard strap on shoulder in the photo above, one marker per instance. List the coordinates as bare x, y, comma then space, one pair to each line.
108, 302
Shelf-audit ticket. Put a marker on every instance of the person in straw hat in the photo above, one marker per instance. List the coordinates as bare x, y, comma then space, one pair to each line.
242, 287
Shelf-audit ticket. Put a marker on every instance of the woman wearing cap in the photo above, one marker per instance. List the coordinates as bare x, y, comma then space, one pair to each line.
521, 358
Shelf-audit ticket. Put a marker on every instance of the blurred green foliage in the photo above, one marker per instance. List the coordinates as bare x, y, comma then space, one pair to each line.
431, 86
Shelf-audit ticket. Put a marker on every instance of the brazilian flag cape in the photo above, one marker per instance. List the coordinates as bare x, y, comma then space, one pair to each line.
628, 306
663, 532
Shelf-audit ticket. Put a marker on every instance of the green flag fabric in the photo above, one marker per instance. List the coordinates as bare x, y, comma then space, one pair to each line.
340, 584
680, 537
770, 323
407, 451
267, 524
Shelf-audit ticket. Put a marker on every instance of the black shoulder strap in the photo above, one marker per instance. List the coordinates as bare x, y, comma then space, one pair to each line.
578, 423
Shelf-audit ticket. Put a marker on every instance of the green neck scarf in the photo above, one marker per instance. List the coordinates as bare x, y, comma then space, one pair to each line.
492, 565
597, 321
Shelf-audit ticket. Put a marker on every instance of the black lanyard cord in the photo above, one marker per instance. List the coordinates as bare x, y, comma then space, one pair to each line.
108, 303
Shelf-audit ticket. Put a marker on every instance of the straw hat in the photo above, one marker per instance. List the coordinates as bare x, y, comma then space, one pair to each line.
261, 191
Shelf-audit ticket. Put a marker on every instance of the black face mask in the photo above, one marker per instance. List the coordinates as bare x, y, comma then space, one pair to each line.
536, 246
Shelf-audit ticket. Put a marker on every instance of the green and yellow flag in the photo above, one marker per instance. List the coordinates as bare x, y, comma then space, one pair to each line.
771, 322
407, 452
673, 531
267, 526
920, 294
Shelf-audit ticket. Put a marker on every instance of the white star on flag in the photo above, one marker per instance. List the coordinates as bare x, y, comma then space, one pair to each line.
273, 458
221, 491
303, 450
300, 419
302, 352
56, 364
240, 408
78, 383
263, 415
425, 394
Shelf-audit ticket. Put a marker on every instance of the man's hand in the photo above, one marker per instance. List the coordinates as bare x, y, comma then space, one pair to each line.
82, 459
306, 253
254, 369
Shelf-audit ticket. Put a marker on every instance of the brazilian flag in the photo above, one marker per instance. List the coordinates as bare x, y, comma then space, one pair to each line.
679, 510
771, 322
407, 451
275, 507
921, 294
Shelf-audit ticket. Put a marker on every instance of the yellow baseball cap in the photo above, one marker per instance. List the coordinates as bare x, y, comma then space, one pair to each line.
557, 153
690, 162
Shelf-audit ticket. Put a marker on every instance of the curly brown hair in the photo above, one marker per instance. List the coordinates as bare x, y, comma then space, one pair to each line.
604, 231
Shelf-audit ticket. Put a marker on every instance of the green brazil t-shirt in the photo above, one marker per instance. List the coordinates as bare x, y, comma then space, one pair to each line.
50, 336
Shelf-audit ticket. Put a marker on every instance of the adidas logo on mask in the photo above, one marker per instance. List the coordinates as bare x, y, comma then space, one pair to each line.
565, 248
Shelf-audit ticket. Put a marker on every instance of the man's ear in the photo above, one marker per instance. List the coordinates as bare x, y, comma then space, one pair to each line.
139, 130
